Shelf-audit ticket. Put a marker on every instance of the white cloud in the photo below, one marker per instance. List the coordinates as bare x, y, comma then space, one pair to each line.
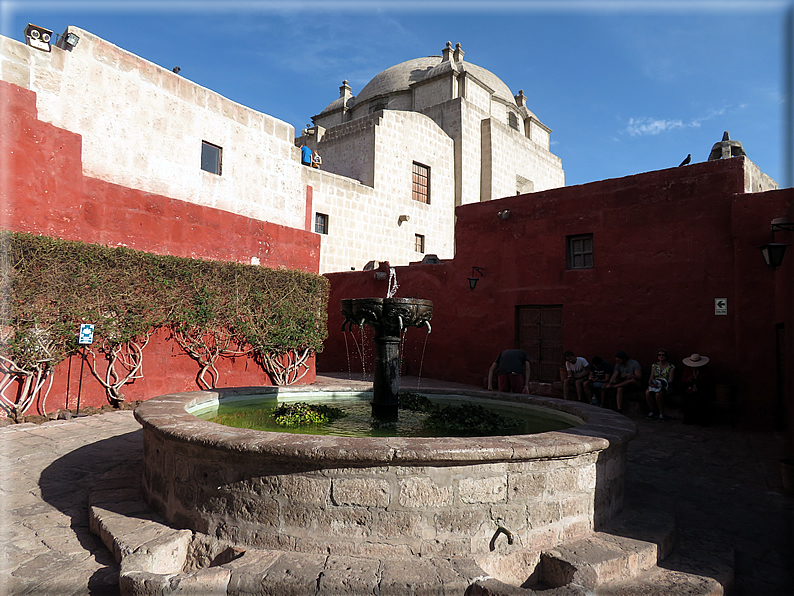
653, 126
650, 126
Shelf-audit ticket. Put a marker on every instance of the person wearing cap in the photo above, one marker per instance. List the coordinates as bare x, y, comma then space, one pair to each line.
512, 372
627, 376
662, 373
698, 384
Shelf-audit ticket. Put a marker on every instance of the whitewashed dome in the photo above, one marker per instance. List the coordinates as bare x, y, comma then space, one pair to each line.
400, 77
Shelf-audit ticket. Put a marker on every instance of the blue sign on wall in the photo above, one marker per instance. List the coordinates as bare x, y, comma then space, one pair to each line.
86, 334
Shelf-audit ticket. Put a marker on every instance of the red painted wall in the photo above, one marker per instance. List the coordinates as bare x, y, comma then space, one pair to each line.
43, 191
666, 244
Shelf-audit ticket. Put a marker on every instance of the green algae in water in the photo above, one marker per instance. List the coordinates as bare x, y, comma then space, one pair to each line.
414, 422
303, 414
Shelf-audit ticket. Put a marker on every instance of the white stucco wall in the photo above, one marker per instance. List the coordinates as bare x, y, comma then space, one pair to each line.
510, 154
364, 220
142, 126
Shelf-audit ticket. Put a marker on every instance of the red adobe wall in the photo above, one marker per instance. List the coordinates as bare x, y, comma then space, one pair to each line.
666, 245
43, 191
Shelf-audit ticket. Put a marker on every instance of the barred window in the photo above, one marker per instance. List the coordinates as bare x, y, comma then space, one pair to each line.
580, 251
321, 223
421, 183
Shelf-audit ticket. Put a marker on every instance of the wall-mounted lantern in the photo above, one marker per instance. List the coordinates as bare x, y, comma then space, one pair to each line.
403, 218
473, 280
774, 251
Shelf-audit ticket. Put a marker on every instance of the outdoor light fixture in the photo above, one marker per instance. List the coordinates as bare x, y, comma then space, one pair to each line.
70, 39
402, 219
774, 251
38, 37
504, 214
473, 280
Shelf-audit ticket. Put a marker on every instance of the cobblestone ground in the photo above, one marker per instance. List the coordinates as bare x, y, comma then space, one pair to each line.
47, 471
723, 486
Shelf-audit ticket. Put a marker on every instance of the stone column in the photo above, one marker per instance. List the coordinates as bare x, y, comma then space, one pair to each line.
386, 382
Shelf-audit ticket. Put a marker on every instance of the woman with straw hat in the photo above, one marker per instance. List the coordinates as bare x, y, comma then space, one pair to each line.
698, 385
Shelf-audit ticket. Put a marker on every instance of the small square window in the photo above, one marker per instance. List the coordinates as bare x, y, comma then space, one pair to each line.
210, 158
321, 223
419, 243
421, 183
580, 251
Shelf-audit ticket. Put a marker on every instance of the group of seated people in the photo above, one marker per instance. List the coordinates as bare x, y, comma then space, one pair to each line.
593, 382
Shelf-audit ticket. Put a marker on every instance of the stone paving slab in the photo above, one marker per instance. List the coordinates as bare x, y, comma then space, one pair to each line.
719, 482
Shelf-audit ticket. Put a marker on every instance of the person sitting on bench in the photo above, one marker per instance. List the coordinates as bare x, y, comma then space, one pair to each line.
627, 375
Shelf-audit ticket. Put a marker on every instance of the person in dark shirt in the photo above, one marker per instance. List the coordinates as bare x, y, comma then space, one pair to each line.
626, 377
512, 372
600, 372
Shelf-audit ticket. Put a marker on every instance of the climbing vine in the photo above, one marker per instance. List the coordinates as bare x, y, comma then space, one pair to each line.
212, 309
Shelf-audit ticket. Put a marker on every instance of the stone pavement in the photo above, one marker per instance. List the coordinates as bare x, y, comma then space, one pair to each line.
723, 485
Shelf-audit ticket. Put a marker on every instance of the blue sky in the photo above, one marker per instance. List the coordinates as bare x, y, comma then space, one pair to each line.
626, 86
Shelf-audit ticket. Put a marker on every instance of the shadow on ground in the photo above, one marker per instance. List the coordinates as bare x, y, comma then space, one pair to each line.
66, 483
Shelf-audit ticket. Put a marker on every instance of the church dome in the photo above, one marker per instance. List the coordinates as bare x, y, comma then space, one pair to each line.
401, 76
398, 78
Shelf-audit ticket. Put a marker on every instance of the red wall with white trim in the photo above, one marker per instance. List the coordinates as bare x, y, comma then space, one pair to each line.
43, 191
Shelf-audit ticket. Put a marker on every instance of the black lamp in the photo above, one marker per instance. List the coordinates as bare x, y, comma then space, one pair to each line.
774, 251
473, 280
773, 254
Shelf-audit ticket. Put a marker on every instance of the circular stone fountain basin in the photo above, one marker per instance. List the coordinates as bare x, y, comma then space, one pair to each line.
253, 411
382, 496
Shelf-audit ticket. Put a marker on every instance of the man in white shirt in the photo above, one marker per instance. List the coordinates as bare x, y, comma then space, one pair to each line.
578, 370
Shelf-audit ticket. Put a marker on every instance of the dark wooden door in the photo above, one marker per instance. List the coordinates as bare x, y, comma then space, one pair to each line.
539, 334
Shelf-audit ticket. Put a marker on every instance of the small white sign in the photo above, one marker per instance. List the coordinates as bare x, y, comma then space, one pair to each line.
720, 306
86, 334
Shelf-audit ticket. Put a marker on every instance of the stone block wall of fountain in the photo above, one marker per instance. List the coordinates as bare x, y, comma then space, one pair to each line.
383, 496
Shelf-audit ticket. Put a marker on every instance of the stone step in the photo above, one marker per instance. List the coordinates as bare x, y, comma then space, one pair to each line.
663, 582
634, 543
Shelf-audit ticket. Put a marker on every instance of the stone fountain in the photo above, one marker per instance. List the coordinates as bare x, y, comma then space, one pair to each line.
389, 317
459, 508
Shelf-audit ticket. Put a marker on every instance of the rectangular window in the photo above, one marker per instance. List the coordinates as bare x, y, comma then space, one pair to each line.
421, 183
210, 158
580, 251
321, 223
419, 243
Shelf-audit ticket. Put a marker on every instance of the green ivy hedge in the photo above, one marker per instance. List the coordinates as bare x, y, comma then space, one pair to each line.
53, 285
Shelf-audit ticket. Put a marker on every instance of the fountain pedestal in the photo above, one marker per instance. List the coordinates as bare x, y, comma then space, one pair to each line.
388, 317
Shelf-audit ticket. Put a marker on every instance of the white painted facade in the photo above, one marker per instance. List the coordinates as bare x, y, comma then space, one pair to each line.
142, 126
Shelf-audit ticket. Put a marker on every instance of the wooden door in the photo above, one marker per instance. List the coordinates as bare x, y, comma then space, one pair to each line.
539, 334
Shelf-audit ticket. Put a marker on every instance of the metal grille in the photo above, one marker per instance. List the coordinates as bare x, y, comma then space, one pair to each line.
321, 223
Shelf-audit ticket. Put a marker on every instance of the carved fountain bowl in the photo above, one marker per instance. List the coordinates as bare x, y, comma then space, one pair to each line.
390, 315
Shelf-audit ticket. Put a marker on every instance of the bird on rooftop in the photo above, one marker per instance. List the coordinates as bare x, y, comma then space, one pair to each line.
686, 160
176, 69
